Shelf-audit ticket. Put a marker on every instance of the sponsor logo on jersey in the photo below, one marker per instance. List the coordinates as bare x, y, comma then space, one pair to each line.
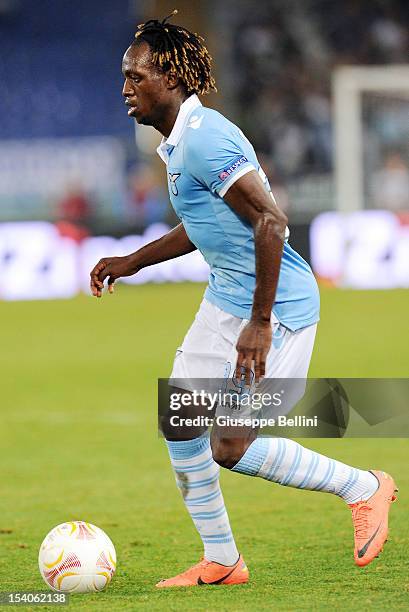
195, 122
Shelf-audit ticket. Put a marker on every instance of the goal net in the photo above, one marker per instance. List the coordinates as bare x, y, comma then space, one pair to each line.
371, 113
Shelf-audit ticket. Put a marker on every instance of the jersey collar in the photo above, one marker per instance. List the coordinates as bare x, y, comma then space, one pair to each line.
181, 120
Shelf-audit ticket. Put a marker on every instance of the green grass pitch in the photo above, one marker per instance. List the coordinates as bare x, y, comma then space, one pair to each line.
78, 441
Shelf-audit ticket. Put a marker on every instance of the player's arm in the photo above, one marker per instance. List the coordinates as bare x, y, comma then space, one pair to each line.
173, 244
249, 199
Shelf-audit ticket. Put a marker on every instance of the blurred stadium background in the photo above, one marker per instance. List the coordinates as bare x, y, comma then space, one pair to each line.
321, 88
329, 138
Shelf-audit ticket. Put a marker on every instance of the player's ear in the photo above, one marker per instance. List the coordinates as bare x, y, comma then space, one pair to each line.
172, 79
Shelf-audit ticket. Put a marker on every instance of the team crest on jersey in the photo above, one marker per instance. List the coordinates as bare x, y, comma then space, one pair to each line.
173, 177
228, 171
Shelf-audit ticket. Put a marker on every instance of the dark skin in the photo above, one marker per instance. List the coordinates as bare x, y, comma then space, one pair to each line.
154, 98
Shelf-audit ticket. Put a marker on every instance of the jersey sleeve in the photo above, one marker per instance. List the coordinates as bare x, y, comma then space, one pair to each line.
217, 159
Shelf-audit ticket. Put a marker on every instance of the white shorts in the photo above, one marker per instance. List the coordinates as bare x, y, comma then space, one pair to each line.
209, 347
207, 360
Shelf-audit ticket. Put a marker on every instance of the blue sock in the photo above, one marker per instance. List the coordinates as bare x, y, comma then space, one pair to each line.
290, 464
197, 477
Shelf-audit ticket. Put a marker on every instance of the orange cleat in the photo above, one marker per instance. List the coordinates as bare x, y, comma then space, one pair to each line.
370, 519
209, 572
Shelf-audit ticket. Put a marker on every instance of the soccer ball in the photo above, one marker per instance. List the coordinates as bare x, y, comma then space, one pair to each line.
77, 557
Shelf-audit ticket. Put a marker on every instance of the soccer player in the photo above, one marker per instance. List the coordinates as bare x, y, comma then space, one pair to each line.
260, 310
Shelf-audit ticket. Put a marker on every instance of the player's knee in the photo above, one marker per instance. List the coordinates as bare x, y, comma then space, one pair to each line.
227, 452
177, 433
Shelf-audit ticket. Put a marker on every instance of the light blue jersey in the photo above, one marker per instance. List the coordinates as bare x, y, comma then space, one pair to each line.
205, 154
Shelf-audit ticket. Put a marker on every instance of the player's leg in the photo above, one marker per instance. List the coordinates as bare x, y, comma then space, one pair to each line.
197, 476
203, 354
285, 461
288, 463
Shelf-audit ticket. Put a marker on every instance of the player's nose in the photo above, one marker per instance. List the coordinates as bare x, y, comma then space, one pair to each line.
127, 90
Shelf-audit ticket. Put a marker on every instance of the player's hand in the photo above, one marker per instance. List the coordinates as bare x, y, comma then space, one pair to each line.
111, 268
252, 347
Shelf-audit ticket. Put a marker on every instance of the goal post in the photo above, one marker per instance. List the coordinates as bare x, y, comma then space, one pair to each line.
349, 83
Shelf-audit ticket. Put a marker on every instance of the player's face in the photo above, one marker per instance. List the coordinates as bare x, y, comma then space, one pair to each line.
145, 87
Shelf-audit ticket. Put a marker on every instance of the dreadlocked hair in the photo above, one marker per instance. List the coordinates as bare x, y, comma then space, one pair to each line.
177, 50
